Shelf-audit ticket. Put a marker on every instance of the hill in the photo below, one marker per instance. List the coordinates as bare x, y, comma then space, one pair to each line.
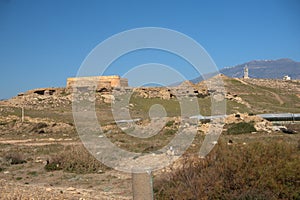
262, 69
268, 69
42, 156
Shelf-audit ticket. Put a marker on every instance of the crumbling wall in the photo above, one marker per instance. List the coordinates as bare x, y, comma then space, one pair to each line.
97, 82
44, 91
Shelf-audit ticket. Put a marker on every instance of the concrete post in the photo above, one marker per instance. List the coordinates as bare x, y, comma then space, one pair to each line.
22, 115
142, 186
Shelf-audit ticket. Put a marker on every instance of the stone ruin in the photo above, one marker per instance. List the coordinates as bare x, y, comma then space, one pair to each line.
43, 91
100, 83
109, 87
185, 89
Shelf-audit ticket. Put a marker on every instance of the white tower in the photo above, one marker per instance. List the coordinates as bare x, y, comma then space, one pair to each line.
246, 72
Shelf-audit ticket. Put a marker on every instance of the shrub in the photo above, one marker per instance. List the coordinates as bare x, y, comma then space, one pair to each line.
254, 171
14, 158
240, 128
75, 159
170, 123
32, 173
170, 131
54, 165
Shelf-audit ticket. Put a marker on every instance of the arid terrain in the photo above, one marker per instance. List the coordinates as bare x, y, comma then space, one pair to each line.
42, 156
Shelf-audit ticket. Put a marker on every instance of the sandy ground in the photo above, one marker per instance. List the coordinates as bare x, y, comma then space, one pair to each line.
31, 181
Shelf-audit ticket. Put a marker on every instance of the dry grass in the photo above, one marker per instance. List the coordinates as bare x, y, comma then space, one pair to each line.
75, 159
254, 171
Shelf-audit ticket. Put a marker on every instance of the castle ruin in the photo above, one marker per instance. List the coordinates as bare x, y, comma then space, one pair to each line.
101, 82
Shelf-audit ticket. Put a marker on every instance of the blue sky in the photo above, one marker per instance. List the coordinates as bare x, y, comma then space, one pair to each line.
42, 42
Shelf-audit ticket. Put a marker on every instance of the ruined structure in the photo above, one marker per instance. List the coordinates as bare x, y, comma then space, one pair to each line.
100, 82
44, 91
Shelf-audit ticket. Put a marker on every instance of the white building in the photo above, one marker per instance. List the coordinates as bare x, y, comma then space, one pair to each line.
286, 78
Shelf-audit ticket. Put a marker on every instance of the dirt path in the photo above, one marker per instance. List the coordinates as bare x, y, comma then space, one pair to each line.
40, 142
242, 81
277, 97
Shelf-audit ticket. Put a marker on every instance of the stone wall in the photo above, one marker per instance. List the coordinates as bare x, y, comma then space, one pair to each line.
44, 91
99, 82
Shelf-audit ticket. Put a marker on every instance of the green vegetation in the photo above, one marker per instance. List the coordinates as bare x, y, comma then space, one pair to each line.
142, 145
33, 173
170, 131
240, 128
234, 107
143, 105
170, 123
254, 171
264, 99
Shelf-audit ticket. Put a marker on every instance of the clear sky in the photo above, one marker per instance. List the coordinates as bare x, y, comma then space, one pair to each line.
42, 42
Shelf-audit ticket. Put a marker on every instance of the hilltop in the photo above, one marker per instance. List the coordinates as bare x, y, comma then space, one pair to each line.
243, 95
266, 69
261, 69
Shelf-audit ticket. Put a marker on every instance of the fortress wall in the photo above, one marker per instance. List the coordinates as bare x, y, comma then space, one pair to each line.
100, 81
114, 80
82, 81
124, 82
104, 84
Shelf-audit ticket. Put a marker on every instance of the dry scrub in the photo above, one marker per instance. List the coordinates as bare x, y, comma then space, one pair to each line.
75, 159
254, 171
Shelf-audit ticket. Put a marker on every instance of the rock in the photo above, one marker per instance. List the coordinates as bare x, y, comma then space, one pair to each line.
71, 189
214, 142
288, 131
39, 160
131, 105
108, 98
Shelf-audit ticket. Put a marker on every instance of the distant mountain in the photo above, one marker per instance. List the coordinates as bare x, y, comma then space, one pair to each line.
267, 69
270, 69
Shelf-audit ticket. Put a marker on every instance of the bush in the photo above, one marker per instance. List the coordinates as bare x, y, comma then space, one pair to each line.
170, 131
170, 123
241, 128
54, 165
255, 171
75, 159
14, 158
